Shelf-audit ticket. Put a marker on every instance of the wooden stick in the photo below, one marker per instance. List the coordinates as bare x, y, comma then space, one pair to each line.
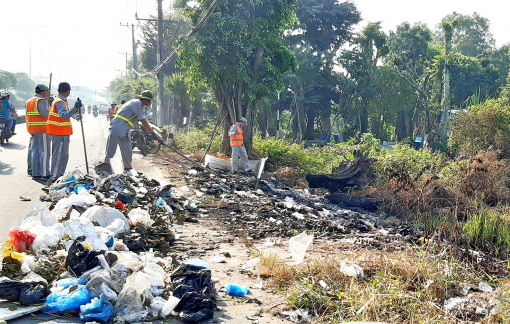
48, 100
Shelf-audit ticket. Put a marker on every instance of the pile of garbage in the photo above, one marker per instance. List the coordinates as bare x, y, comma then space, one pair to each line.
266, 208
102, 250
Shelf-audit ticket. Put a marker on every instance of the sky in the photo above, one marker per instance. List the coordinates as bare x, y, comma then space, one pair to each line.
82, 39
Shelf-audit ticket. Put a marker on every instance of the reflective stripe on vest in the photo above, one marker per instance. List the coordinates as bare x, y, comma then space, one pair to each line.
237, 139
55, 124
127, 120
35, 122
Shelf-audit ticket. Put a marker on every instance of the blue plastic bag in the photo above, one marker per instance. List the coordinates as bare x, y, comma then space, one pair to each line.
66, 283
198, 263
236, 290
61, 301
81, 185
98, 309
66, 183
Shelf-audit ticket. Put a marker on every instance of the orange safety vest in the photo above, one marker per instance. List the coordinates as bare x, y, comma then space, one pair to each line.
111, 111
36, 123
237, 139
55, 124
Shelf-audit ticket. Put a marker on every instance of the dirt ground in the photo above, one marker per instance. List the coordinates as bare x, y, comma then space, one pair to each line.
205, 240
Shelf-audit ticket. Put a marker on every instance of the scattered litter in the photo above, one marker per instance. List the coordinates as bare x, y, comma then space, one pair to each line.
298, 315
251, 264
236, 290
218, 259
351, 270
485, 287
98, 309
482, 311
298, 246
197, 263
449, 304
23, 198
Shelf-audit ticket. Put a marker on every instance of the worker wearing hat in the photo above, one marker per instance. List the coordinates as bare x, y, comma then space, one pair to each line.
39, 148
237, 144
120, 128
60, 128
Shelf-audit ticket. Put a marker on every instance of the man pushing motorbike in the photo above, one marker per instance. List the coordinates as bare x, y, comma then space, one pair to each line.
120, 128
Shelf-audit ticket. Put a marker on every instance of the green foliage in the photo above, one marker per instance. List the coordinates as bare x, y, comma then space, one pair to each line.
485, 127
489, 230
470, 33
194, 140
404, 158
7, 80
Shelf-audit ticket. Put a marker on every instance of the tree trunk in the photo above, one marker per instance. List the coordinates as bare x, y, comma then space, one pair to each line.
364, 119
310, 123
326, 121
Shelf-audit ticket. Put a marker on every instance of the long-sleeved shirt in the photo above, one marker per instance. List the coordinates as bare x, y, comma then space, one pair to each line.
62, 111
42, 106
130, 108
6, 109
233, 130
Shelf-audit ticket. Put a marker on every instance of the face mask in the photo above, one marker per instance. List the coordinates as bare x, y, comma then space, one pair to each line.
145, 106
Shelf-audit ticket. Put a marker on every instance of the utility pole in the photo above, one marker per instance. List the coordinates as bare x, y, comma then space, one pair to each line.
135, 57
126, 60
159, 111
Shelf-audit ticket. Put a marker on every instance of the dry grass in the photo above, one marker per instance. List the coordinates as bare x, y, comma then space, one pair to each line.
406, 286
290, 177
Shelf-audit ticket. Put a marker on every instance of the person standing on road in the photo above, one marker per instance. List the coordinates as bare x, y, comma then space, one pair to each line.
120, 128
60, 128
39, 149
237, 144
111, 111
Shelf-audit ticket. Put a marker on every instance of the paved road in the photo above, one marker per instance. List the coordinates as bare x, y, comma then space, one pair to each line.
15, 181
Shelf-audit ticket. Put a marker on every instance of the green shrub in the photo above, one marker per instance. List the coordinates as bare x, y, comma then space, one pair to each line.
191, 140
404, 158
485, 127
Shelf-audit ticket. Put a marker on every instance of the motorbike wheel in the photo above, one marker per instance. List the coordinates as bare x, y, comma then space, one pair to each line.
2, 139
153, 146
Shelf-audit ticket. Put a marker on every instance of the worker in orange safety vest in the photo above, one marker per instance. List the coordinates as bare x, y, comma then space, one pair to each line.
59, 126
237, 143
39, 148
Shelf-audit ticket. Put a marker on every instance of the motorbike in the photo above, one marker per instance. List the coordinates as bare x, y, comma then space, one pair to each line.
95, 113
142, 139
5, 132
89, 110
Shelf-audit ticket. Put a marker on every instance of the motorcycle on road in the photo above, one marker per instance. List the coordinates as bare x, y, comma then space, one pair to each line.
142, 139
5, 132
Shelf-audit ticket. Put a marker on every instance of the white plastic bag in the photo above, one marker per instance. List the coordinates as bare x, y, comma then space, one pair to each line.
141, 217
170, 306
75, 200
353, 270
43, 213
107, 217
131, 299
298, 246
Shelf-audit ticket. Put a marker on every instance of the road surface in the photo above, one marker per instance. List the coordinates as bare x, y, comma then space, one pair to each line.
15, 181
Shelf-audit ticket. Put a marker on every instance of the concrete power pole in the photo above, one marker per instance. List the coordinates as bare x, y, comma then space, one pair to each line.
135, 57
159, 108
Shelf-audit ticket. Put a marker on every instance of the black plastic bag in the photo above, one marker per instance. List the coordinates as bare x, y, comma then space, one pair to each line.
136, 243
193, 285
80, 259
24, 292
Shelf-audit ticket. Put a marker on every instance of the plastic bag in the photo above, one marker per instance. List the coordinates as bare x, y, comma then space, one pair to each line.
131, 299
236, 290
298, 246
106, 216
68, 282
140, 217
75, 200
197, 263
43, 213
21, 240
193, 285
98, 309
64, 300
80, 258
104, 291
43, 242
25, 292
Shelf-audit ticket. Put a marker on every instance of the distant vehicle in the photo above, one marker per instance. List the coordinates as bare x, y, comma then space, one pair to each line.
103, 109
